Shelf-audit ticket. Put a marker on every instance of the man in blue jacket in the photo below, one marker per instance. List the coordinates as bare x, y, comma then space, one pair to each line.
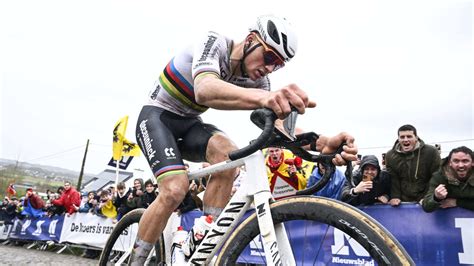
333, 189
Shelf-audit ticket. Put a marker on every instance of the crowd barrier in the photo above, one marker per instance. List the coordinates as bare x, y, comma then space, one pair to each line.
444, 237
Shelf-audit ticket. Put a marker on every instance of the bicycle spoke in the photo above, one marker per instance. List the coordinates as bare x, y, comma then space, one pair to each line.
320, 244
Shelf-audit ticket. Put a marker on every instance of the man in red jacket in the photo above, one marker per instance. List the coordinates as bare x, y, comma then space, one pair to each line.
69, 198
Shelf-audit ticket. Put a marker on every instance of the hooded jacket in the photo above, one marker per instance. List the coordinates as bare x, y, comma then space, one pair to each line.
463, 192
333, 189
380, 184
410, 172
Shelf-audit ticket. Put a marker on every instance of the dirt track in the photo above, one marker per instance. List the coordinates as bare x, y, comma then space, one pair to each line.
12, 255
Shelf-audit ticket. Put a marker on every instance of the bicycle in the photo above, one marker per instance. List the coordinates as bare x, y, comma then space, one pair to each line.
228, 238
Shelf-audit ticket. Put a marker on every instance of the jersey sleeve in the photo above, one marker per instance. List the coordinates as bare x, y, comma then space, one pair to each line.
206, 54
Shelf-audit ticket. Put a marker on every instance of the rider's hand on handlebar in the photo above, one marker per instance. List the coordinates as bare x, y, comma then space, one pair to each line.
329, 145
280, 101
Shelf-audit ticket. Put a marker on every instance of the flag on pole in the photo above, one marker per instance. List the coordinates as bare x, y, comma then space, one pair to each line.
11, 190
129, 148
119, 136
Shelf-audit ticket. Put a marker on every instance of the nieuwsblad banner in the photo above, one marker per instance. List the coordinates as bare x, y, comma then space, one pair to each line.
444, 237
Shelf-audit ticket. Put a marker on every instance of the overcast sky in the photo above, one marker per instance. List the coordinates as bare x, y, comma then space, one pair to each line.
71, 69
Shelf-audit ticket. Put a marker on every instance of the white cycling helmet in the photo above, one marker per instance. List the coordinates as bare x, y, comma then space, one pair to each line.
277, 33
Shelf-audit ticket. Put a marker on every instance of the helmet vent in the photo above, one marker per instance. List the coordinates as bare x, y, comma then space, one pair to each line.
273, 32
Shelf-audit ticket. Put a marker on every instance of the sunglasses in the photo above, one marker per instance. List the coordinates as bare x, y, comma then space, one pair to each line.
270, 57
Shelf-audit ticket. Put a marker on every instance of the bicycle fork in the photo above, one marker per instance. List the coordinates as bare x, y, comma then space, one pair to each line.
275, 240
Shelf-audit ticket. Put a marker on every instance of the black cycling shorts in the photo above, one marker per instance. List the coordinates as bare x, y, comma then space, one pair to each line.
166, 139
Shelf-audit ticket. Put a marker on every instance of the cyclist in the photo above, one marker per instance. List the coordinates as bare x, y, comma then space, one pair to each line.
221, 74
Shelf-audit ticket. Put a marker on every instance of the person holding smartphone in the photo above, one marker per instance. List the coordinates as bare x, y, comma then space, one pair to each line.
371, 184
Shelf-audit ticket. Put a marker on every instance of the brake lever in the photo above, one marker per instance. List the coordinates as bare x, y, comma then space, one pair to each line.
289, 124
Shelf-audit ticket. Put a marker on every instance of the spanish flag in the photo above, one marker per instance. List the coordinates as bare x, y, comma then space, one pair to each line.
119, 136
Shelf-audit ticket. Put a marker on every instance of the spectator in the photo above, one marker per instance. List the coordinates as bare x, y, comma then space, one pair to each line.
32, 205
106, 206
120, 200
12, 210
52, 209
195, 187
384, 164
3, 207
49, 196
333, 189
90, 203
453, 184
149, 195
411, 163
371, 184
285, 172
189, 203
84, 197
68, 199
135, 198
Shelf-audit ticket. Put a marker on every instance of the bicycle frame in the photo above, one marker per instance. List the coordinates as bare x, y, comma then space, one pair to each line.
254, 189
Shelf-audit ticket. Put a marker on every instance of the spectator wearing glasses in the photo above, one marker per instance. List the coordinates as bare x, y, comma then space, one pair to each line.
217, 73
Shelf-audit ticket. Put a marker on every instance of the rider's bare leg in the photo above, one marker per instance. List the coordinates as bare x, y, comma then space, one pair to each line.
172, 191
220, 185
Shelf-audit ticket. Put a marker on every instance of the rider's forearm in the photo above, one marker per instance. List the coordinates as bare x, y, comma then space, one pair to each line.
218, 94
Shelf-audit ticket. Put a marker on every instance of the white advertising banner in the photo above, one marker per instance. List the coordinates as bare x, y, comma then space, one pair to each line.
5, 231
92, 230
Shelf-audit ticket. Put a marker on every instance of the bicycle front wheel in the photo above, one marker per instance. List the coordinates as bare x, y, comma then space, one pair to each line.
320, 231
120, 242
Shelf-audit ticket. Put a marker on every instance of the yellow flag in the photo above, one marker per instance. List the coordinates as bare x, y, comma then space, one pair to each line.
119, 136
130, 149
